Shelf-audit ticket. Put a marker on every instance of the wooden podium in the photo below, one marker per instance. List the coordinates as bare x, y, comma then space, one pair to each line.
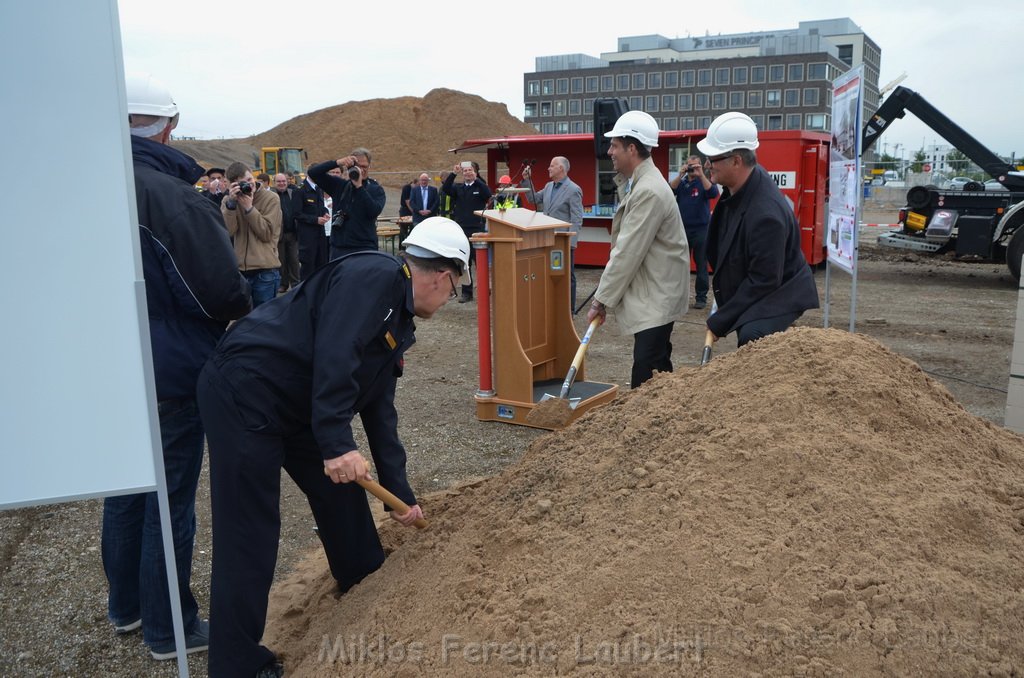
534, 341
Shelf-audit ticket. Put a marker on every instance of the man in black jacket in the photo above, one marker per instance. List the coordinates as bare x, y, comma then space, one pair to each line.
311, 215
762, 283
283, 390
357, 202
193, 288
468, 197
288, 243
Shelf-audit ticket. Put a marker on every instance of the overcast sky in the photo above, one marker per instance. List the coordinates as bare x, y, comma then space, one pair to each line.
239, 68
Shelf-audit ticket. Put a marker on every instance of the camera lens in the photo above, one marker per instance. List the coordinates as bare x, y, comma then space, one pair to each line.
353, 173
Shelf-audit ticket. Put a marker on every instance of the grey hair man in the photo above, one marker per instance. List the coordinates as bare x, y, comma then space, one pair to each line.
561, 199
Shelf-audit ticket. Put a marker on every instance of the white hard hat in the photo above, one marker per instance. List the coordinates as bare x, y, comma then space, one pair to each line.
729, 132
637, 124
440, 237
148, 96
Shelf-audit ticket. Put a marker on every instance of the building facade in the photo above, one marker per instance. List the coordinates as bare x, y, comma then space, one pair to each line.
781, 79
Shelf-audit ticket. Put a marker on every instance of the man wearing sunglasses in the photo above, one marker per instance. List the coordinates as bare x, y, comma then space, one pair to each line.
762, 283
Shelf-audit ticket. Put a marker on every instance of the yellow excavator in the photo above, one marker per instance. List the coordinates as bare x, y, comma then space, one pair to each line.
282, 159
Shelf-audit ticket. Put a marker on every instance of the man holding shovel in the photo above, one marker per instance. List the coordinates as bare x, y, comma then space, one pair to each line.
647, 279
281, 391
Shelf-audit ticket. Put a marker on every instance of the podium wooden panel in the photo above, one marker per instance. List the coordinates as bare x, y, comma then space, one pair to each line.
533, 337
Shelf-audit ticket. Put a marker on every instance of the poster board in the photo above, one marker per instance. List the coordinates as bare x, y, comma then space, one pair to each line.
845, 169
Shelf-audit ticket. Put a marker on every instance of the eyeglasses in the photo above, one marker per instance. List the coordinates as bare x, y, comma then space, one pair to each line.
454, 292
712, 161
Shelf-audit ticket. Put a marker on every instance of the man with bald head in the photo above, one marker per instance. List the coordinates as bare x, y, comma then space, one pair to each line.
561, 199
423, 199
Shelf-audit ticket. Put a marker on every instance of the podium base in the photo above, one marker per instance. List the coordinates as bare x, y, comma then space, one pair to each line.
591, 394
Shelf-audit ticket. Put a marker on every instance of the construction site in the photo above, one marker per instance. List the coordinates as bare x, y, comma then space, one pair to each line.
817, 503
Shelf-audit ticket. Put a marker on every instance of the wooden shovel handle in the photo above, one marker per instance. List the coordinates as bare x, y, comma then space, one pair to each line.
393, 502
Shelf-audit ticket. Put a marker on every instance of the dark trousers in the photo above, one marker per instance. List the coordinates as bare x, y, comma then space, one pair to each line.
467, 290
698, 241
337, 252
288, 253
245, 493
572, 280
132, 545
652, 350
313, 249
755, 329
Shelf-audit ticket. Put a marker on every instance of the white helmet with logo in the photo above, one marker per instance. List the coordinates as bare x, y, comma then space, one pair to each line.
729, 132
637, 124
439, 237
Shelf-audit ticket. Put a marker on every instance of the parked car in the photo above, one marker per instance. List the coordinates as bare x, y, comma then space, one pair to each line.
958, 183
994, 185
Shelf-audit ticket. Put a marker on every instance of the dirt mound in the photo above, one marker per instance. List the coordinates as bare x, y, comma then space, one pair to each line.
410, 134
811, 504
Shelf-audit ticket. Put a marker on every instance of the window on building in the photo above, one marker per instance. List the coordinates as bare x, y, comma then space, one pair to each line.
533, 88
846, 54
772, 97
654, 81
561, 128
755, 98
776, 73
547, 87
545, 109
574, 106
757, 74
686, 123
531, 110
739, 75
651, 103
817, 71
622, 82
828, 98
588, 107
639, 81
721, 76
560, 107
791, 97
536, 127
607, 83
686, 79
636, 103
562, 86
704, 77
718, 101
592, 83
792, 121
671, 124
810, 96
547, 128
796, 73
588, 126
671, 79
577, 127
575, 85
703, 122
685, 102
701, 101
774, 122
736, 100
816, 121
758, 120
668, 102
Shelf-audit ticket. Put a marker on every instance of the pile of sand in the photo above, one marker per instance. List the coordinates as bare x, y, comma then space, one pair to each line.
811, 504
410, 134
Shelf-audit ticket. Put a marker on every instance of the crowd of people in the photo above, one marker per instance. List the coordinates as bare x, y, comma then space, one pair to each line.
320, 321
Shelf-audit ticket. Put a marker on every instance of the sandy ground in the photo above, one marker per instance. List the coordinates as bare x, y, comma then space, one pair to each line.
954, 319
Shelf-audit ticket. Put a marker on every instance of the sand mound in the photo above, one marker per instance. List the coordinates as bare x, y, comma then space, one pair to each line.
410, 134
811, 504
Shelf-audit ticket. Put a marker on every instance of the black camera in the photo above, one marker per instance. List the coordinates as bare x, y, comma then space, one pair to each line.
690, 169
245, 188
354, 173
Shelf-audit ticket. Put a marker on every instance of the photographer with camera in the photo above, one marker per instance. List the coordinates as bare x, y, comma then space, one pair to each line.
253, 218
694, 192
357, 201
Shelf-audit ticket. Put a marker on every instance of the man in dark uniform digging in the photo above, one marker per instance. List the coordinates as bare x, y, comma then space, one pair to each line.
281, 391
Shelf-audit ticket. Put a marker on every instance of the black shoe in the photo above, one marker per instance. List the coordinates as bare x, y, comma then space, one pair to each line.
465, 297
699, 304
272, 669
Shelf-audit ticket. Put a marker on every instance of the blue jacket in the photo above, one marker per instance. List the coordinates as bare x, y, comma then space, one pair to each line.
193, 286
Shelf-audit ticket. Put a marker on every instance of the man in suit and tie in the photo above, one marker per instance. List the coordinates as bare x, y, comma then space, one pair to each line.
561, 199
423, 199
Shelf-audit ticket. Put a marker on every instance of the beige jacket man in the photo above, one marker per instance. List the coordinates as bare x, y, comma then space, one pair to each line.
647, 279
255, 234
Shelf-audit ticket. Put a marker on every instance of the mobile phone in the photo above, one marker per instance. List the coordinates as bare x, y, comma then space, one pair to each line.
466, 164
